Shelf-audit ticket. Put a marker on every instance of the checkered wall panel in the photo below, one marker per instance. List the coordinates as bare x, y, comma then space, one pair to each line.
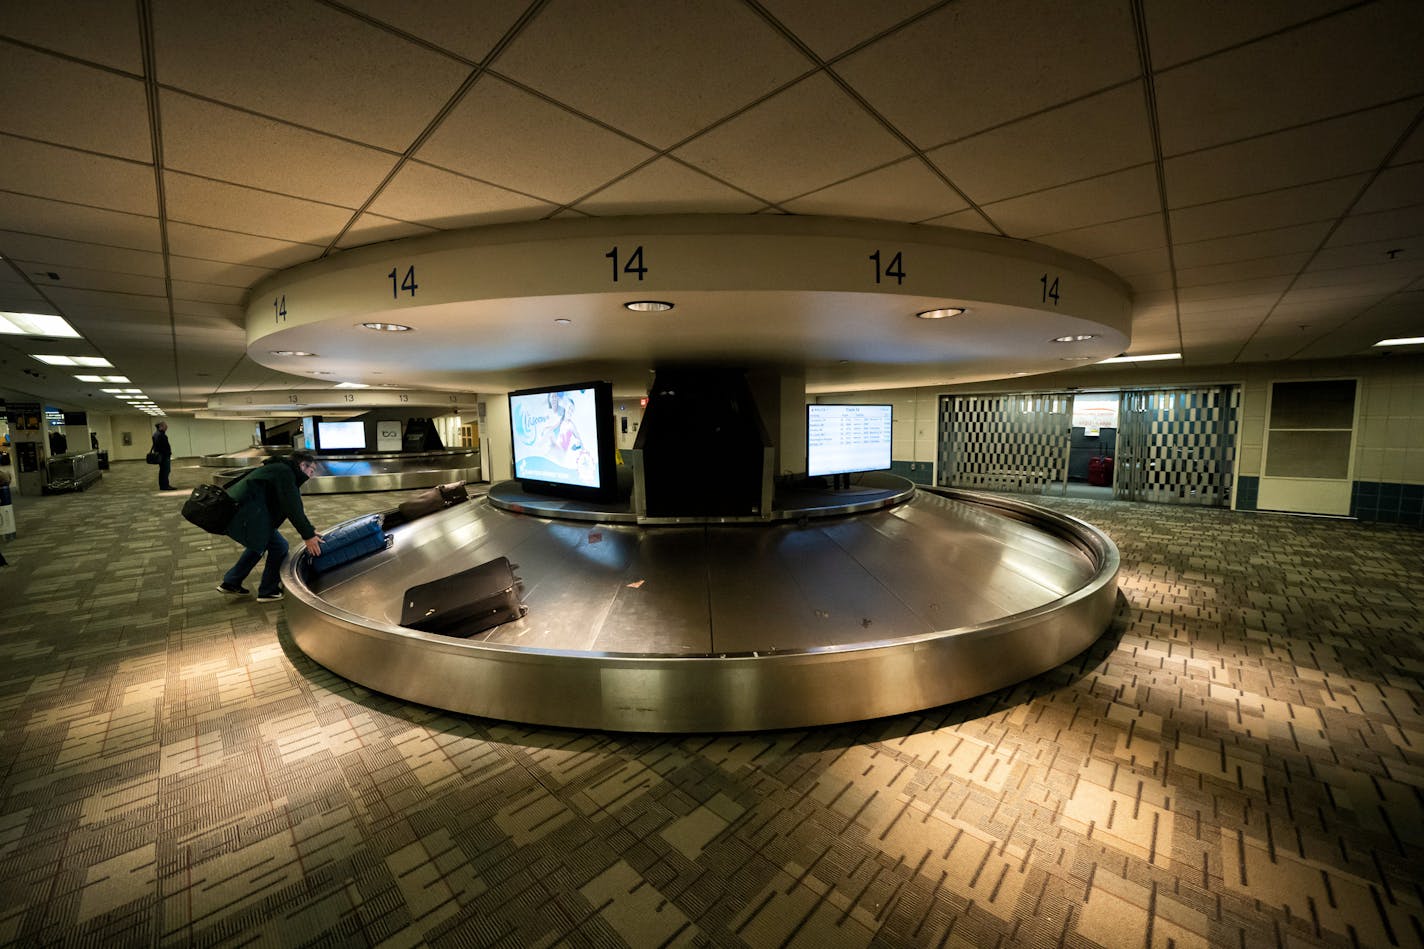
1004, 442
1178, 446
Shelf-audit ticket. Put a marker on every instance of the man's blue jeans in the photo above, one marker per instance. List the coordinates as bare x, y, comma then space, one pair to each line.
276, 552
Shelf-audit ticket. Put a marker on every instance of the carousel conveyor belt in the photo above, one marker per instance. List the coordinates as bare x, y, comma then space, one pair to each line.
723, 627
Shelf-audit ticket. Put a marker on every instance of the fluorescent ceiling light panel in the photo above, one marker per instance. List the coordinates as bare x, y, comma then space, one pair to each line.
1402, 341
93, 379
1158, 357
352, 385
35, 324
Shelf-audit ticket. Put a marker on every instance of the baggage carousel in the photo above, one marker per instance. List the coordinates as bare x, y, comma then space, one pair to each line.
844, 605
345, 474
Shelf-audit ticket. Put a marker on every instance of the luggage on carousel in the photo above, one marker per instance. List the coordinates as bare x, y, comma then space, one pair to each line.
467, 602
1100, 470
349, 542
428, 502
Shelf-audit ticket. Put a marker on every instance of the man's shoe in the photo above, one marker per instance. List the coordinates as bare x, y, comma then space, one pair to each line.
229, 591
269, 597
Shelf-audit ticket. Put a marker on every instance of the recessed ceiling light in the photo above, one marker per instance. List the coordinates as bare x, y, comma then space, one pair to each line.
562, 321
1080, 338
35, 324
1402, 341
92, 378
74, 360
123, 379
1076, 358
352, 385
109, 391
291, 352
320, 372
387, 327
1154, 358
940, 313
648, 306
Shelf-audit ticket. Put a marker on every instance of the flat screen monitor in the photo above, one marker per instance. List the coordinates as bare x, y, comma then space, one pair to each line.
563, 439
76, 418
340, 436
844, 438
309, 432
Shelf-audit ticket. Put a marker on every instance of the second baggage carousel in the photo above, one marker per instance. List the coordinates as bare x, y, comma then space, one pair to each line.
917, 599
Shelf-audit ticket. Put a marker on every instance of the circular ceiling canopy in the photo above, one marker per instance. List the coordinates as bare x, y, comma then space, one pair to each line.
841, 300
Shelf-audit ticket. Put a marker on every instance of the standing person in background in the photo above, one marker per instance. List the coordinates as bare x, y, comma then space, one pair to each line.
165, 456
265, 498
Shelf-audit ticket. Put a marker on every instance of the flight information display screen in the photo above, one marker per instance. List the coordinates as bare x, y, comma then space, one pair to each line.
841, 439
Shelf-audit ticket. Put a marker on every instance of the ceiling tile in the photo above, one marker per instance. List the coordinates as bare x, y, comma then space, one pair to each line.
466, 29
1094, 136
49, 171
1250, 269
1413, 148
78, 223
1389, 274
211, 141
248, 211
79, 299
1326, 150
1324, 201
669, 187
508, 137
215, 272
969, 220
830, 27
1369, 253
1396, 187
1153, 260
59, 101
1181, 31
441, 199
1114, 197
1261, 288
191, 240
763, 149
1105, 240
372, 229
1240, 93
1142, 283
597, 58
1302, 238
206, 293
994, 60
105, 33
1262, 301
1400, 223
78, 278
904, 191
296, 62
58, 254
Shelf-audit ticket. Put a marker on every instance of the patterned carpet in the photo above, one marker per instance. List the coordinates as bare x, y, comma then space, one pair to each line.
1239, 761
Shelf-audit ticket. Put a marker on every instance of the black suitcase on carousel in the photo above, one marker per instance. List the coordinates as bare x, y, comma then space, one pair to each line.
467, 602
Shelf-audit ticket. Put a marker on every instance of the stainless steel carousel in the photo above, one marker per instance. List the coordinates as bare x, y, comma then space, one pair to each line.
840, 605
348, 473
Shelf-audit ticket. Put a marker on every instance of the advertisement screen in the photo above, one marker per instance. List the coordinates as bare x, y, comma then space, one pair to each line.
556, 436
309, 433
845, 438
334, 436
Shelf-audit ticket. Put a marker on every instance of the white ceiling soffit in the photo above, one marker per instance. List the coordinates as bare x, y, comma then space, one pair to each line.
158, 161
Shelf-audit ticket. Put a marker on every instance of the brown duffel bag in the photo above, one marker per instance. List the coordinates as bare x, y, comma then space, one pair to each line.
429, 501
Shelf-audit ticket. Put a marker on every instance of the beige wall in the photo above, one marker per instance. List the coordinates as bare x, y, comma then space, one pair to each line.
1389, 442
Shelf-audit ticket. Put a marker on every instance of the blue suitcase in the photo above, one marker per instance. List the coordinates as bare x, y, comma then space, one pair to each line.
349, 542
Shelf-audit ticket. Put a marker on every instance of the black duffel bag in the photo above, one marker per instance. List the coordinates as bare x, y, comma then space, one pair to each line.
211, 508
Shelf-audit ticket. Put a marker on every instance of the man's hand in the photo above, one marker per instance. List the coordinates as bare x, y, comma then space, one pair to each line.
313, 544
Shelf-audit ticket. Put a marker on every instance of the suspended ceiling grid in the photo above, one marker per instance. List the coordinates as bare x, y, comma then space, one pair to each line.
1255, 172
